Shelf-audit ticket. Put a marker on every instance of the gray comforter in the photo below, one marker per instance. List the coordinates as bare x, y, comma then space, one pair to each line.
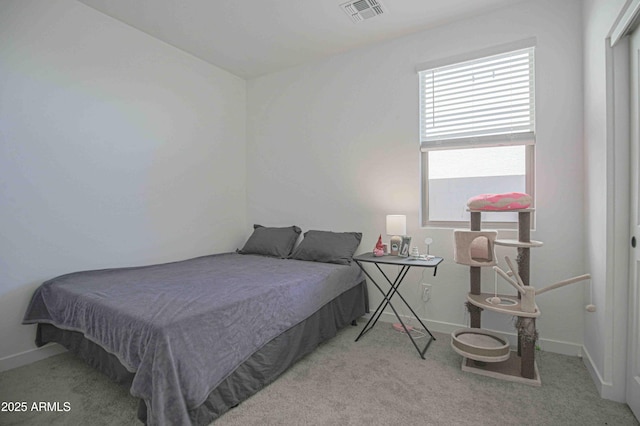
183, 327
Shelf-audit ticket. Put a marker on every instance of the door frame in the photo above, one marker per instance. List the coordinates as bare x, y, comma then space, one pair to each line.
619, 181
633, 342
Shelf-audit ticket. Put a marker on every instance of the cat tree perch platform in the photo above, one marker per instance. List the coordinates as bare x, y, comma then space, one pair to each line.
509, 304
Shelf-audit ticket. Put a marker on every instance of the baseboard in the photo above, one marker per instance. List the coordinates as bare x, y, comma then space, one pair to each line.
593, 371
32, 355
605, 389
547, 345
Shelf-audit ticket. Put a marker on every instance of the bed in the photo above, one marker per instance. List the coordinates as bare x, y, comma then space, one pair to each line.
194, 338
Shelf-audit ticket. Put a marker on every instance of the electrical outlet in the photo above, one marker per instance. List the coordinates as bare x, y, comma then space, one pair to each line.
426, 292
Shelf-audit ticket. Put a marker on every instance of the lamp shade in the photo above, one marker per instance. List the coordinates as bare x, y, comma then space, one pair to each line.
396, 224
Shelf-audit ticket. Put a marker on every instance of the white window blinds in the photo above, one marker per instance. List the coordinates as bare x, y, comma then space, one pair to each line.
487, 101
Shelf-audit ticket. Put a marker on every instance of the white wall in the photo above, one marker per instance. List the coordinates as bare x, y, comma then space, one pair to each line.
334, 145
115, 149
606, 205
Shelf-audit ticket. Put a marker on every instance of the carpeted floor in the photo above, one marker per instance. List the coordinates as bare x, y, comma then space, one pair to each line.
378, 380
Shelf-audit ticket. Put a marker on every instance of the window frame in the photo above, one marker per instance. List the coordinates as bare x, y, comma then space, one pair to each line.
424, 189
526, 139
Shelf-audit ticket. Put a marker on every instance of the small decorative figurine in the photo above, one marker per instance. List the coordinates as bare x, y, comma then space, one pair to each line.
379, 249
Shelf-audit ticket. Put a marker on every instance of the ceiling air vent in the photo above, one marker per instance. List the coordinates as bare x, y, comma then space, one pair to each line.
360, 10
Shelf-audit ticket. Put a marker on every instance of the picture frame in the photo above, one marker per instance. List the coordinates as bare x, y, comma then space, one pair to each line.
404, 247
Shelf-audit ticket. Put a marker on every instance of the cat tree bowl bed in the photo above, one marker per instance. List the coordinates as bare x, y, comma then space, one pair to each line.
480, 345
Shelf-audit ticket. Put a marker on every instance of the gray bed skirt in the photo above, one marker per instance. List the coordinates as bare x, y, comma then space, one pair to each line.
261, 369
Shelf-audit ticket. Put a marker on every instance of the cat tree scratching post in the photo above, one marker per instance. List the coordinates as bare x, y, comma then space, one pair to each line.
475, 312
527, 334
524, 236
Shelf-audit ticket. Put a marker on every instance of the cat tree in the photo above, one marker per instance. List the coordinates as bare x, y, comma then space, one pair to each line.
484, 352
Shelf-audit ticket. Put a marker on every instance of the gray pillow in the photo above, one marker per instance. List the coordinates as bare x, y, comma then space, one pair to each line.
275, 242
328, 247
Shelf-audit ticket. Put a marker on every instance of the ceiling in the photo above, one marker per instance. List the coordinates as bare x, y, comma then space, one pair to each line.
255, 37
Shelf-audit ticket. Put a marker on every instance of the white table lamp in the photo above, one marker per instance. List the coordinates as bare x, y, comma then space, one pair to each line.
396, 226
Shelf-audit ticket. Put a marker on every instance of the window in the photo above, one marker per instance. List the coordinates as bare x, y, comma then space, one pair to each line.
477, 133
